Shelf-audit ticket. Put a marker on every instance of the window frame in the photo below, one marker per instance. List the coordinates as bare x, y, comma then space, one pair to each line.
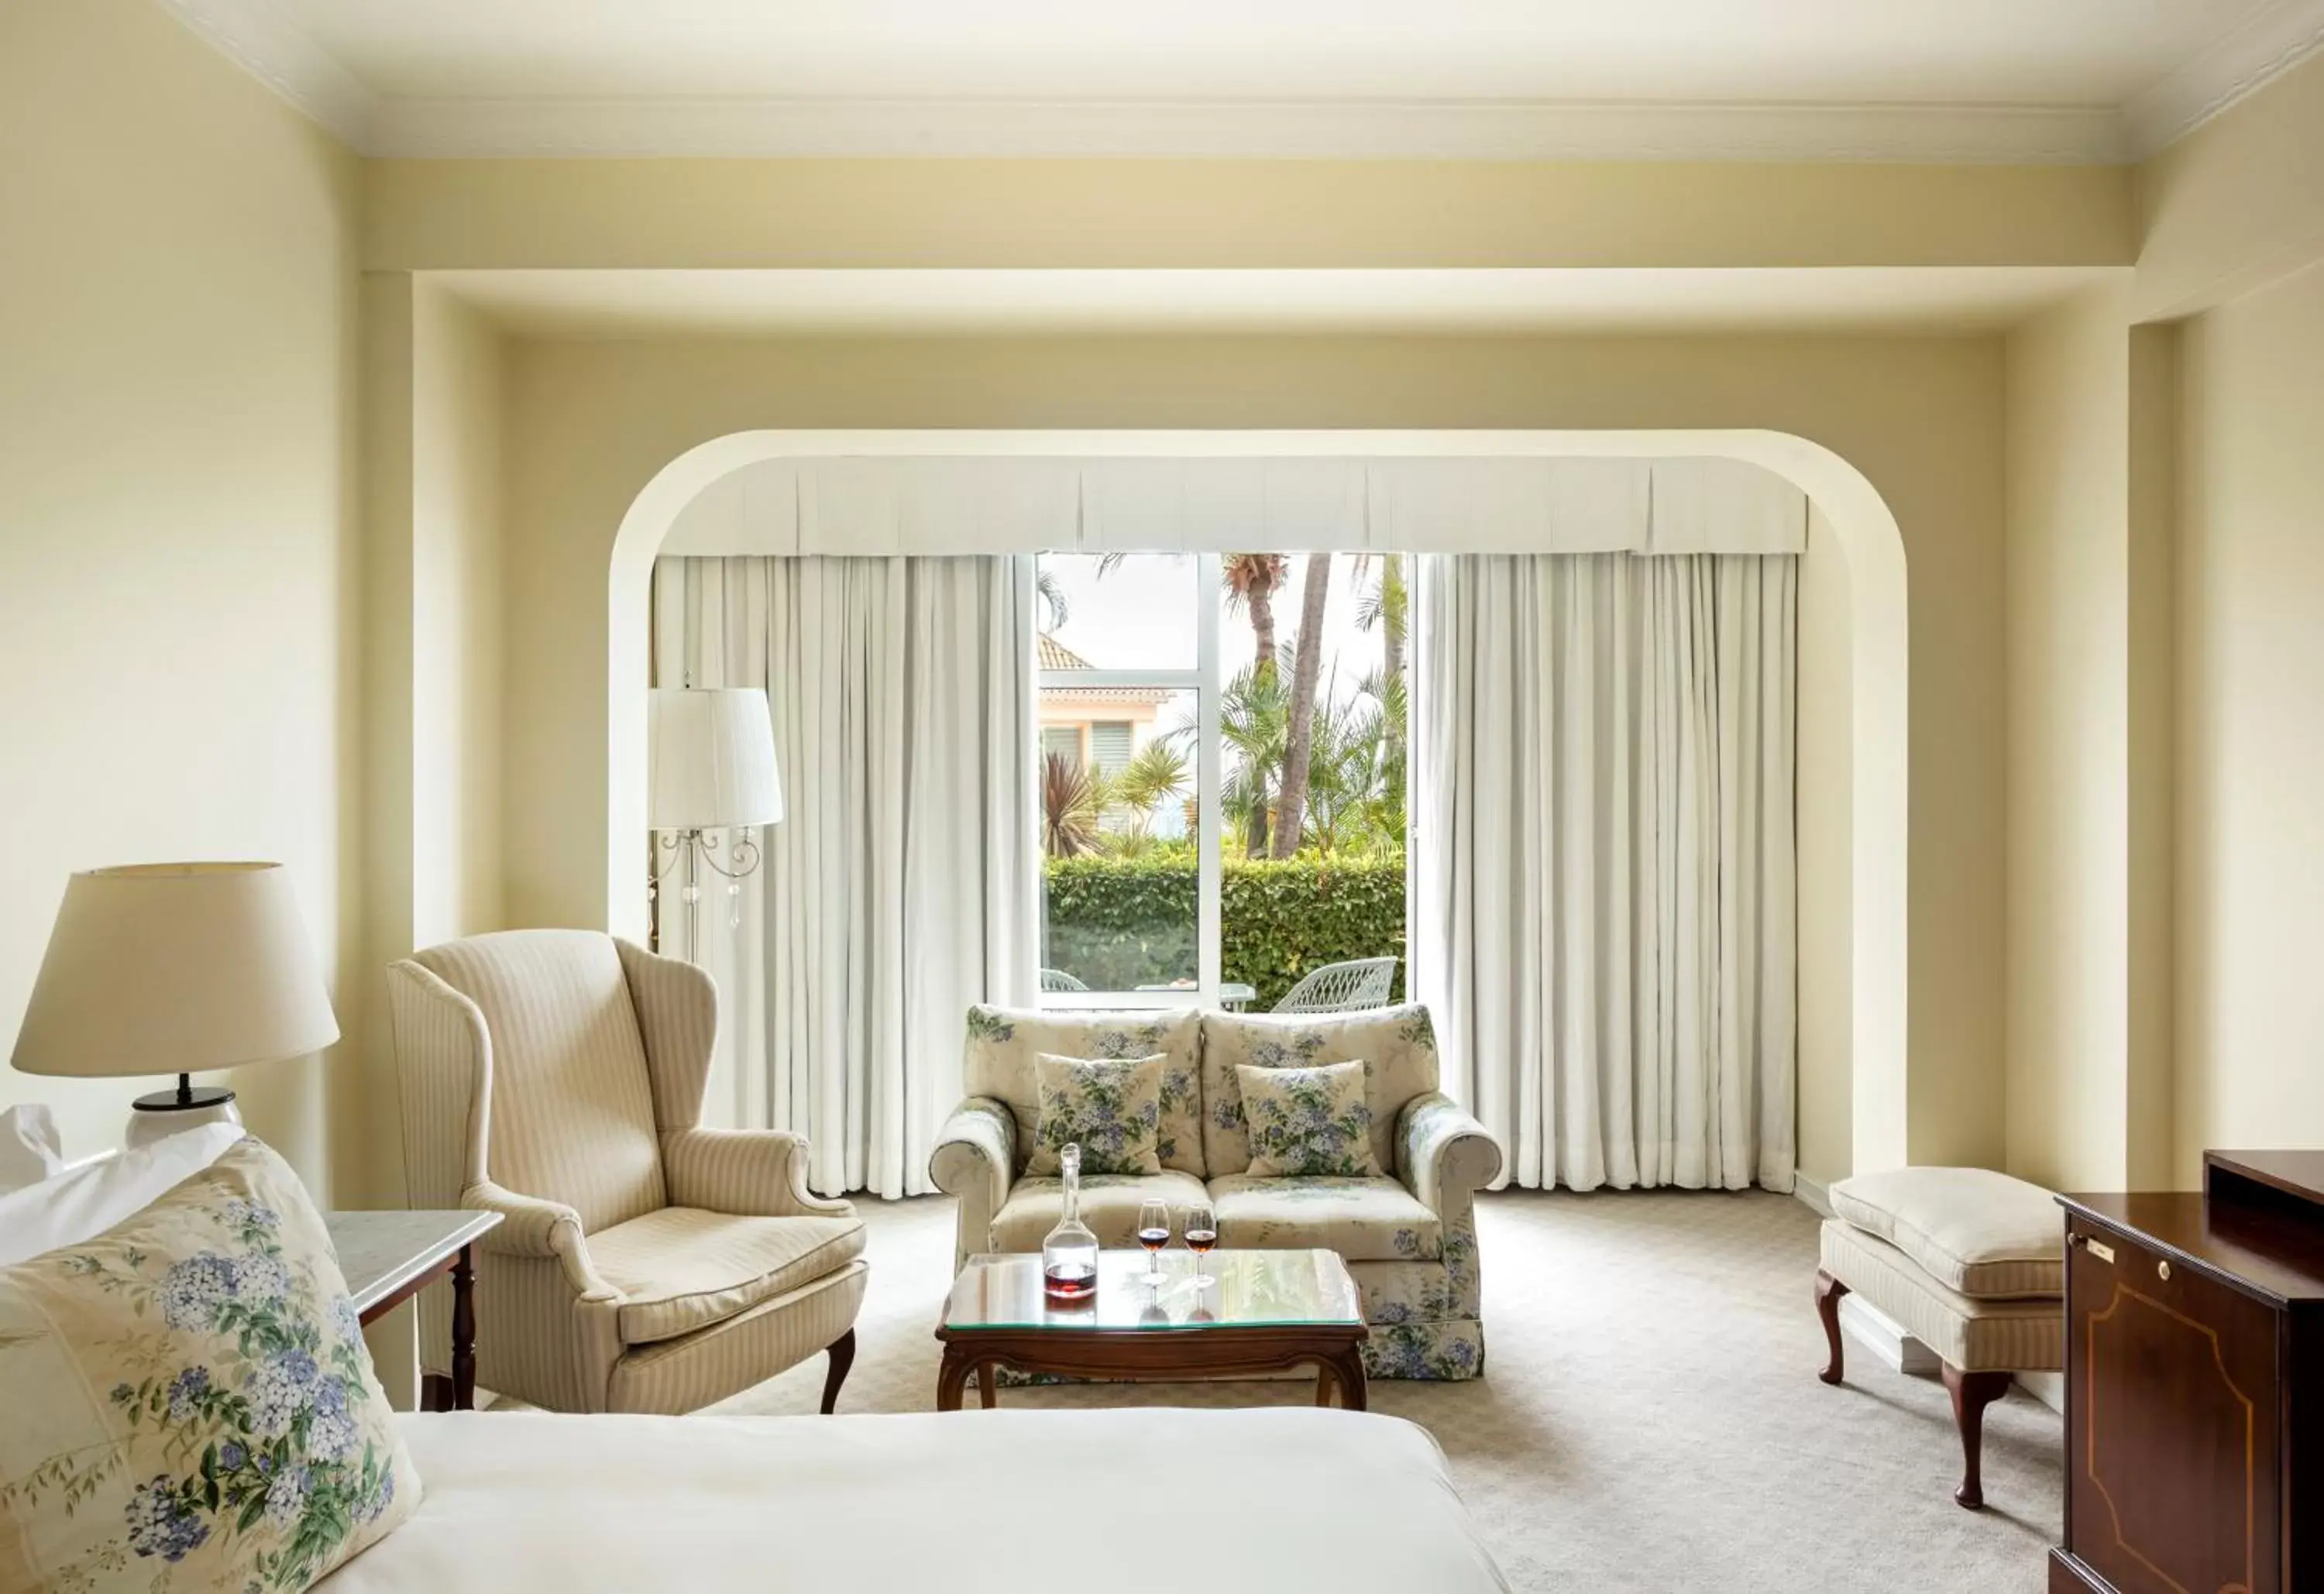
1202, 680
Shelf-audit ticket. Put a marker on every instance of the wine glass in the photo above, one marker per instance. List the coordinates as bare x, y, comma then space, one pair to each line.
1153, 1233
1202, 1233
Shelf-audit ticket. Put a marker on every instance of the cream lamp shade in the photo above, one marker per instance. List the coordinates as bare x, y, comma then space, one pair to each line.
175, 968
711, 758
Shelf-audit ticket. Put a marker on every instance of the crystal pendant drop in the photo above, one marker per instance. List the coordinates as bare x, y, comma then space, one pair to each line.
1069, 1256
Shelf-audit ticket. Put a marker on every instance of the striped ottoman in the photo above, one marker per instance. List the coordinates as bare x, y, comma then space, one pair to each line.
1971, 1262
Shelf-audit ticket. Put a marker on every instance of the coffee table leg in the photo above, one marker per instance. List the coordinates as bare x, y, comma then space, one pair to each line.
988, 1384
952, 1378
1327, 1379
1349, 1370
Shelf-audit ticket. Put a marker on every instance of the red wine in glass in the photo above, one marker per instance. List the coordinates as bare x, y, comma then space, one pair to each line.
1200, 1240
1153, 1239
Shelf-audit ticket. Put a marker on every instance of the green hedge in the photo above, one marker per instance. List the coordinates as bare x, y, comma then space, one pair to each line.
1116, 924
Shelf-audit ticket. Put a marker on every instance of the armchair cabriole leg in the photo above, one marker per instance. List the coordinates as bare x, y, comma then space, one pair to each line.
1828, 1291
842, 1352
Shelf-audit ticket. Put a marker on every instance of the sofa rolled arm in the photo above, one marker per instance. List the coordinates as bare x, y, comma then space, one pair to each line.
976, 1159
1441, 1148
533, 1227
749, 1173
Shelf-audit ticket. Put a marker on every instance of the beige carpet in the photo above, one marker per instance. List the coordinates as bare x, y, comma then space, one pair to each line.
1649, 1418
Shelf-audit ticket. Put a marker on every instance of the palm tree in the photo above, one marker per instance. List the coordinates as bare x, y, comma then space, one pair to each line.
1071, 802
1155, 775
1251, 581
1254, 716
1292, 799
1052, 594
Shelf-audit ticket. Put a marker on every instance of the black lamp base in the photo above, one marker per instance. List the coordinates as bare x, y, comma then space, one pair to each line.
192, 1098
159, 1114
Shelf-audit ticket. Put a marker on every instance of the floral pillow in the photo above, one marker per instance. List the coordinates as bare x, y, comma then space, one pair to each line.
189, 1401
1110, 1106
1307, 1122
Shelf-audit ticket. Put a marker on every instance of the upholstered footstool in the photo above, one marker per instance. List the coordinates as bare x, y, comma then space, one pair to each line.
1971, 1262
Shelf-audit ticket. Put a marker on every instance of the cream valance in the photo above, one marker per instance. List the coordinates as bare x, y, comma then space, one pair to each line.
879, 505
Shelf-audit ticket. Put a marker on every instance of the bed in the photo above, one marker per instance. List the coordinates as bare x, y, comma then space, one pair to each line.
1156, 1500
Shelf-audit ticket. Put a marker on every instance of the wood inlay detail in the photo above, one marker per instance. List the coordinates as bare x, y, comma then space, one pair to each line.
2090, 1437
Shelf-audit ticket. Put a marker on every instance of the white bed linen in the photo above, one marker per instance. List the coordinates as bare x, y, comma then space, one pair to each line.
1296, 1499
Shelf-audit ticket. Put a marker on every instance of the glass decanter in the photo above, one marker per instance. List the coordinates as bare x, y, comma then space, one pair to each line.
1069, 1254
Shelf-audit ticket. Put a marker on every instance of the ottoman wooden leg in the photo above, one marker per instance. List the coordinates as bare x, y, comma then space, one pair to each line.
1972, 1393
1827, 1293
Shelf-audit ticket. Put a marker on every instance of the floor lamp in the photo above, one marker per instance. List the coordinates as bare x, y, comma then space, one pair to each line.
711, 754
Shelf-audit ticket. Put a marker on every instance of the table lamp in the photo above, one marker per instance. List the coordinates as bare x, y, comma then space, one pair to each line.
711, 768
175, 968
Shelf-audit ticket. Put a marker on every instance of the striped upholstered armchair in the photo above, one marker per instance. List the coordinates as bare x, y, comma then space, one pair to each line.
643, 1263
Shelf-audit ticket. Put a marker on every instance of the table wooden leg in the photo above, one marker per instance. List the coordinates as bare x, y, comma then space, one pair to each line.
1348, 1369
1327, 1379
988, 1384
952, 1380
464, 1331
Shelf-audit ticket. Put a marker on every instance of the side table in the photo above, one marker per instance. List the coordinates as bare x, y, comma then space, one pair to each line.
390, 1256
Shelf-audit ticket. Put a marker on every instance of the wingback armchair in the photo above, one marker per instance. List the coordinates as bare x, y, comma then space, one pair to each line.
643, 1263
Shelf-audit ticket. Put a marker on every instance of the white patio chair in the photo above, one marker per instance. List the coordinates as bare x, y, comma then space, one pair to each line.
1058, 980
1341, 988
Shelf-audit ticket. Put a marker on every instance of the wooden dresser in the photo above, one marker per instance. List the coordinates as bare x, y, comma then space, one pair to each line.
2195, 1384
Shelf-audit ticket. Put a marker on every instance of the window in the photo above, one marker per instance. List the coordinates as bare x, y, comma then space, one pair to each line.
1176, 723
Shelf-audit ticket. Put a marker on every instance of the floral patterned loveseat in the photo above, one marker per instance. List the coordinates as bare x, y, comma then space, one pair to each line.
1409, 1237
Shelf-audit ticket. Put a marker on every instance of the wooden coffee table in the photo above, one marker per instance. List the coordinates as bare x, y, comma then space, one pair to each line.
1265, 1311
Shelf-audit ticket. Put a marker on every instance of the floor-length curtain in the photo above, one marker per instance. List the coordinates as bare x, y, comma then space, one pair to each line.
901, 885
1603, 912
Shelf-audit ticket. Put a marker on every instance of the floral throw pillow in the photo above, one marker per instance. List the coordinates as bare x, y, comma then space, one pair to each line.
1307, 1122
189, 1402
1111, 1107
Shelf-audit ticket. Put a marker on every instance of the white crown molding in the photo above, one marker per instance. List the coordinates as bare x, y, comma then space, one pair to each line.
267, 43
2276, 39
265, 38
1340, 130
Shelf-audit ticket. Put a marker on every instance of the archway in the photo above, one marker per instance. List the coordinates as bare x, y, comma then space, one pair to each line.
1879, 658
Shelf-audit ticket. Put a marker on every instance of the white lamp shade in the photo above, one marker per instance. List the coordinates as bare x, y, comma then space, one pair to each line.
712, 760
175, 968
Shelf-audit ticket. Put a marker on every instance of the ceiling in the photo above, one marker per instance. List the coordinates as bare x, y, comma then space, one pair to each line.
1996, 79
604, 304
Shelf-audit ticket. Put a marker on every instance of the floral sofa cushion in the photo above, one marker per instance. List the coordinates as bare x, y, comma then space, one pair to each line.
1307, 1122
1364, 1220
1112, 1107
1003, 1043
1397, 1043
1110, 1203
189, 1402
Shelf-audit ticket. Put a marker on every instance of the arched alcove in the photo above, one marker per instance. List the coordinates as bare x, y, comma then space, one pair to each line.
1858, 519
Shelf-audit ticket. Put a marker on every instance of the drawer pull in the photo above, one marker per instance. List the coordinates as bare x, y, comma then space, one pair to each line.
2096, 1248
2162, 1271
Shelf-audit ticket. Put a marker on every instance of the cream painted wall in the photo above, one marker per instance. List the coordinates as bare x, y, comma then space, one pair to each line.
2236, 204
498, 214
590, 423
1824, 821
2069, 595
432, 654
2250, 828
457, 511
178, 526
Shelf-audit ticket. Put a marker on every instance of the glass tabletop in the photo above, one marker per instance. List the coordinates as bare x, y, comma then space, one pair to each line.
1250, 1289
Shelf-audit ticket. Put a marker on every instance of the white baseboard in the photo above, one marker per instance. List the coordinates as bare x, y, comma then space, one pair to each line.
1885, 1338
2049, 1388
1814, 1192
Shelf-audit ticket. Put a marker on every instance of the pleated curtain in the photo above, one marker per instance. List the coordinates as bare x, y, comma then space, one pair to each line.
902, 884
1602, 860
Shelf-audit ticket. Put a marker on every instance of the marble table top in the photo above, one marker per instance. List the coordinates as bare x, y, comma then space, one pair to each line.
381, 1252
